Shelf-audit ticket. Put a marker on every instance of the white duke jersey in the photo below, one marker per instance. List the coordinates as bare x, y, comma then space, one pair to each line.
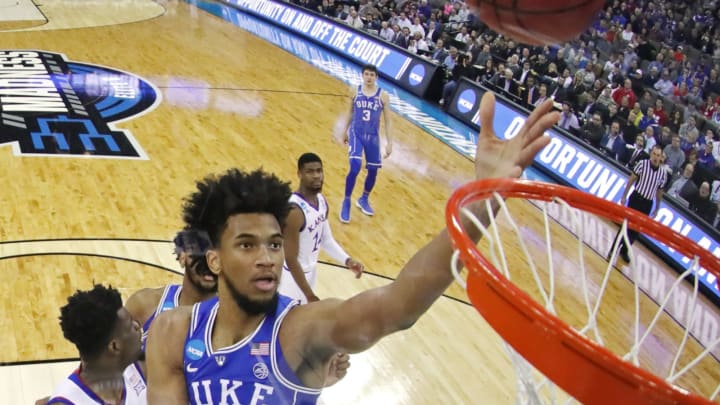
311, 238
74, 391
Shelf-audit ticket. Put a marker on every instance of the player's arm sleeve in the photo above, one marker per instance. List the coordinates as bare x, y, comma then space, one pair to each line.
331, 247
164, 355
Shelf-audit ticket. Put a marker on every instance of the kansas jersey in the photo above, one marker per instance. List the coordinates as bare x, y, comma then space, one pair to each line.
252, 371
311, 238
168, 301
366, 113
73, 391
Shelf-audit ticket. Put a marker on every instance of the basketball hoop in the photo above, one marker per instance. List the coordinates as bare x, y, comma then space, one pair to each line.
573, 358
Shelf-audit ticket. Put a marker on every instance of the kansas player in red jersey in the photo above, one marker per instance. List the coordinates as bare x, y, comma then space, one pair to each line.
362, 135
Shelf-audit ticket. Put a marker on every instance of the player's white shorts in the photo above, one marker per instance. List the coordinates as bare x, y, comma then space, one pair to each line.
289, 288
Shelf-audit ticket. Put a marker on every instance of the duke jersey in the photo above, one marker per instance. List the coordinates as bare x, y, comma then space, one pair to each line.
74, 391
252, 371
366, 113
311, 237
168, 301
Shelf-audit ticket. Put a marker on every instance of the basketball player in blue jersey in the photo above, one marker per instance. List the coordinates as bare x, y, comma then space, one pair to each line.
198, 282
306, 232
362, 135
252, 346
108, 340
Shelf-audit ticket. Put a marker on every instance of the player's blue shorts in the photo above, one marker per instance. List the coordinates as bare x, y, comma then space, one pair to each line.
368, 143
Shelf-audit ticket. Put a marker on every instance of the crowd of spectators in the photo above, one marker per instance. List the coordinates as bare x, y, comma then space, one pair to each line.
645, 73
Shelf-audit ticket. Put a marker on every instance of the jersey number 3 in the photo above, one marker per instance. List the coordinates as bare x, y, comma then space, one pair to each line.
366, 115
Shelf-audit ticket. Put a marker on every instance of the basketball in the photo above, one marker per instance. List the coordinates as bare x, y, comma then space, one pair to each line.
538, 22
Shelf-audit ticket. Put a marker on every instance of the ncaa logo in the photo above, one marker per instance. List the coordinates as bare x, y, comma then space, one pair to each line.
466, 101
195, 349
260, 371
417, 74
55, 107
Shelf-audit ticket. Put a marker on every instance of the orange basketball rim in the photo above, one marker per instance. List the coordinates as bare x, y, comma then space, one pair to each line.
584, 369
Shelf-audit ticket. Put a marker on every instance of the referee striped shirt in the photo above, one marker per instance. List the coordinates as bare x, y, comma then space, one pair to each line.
649, 179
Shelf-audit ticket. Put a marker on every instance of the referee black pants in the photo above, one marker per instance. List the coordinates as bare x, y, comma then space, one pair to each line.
642, 204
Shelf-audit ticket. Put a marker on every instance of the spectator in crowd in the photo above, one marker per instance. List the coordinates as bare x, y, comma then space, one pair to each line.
635, 153
403, 39
612, 143
665, 137
593, 131
647, 120
664, 85
529, 92
674, 156
417, 27
386, 32
705, 156
688, 134
682, 187
353, 20
676, 119
542, 95
660, 113
449, 61
568, 119
433, 32
702, 205
439, 53
625, 92
650, 140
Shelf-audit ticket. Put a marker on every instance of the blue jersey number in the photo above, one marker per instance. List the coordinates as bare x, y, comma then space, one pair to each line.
316, 239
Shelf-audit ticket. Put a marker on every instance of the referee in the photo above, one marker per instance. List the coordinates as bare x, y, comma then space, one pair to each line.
649, 190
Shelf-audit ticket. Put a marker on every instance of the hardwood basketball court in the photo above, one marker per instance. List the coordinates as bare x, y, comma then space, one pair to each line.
226, 99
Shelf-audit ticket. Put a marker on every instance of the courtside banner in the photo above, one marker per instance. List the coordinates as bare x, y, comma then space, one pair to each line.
578, 166
409, 71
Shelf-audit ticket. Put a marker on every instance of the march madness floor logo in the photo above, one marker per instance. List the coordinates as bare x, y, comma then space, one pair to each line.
50, 106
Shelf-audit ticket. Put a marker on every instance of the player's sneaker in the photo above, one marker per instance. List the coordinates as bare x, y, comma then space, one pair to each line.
345, 211
364, 206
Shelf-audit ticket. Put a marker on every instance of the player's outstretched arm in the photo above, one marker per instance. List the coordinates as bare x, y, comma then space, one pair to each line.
164, 357
356, 324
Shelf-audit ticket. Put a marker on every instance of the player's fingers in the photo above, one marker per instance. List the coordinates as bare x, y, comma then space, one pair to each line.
539, 113
487, 113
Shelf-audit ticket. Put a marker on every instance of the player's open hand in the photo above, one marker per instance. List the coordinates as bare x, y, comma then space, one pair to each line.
355, 266
496, 158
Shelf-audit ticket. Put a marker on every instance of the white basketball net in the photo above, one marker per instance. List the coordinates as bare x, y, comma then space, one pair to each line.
643, 327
